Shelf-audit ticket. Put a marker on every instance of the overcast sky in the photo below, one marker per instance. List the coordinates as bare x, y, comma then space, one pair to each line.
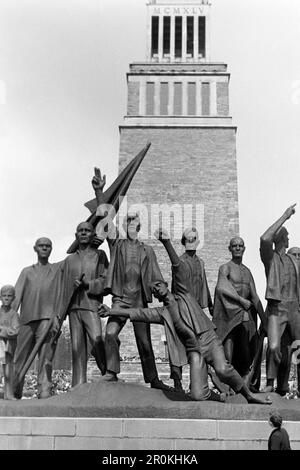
63, 94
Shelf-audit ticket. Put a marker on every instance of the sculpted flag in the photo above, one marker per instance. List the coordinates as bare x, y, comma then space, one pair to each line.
115, 192
113, 197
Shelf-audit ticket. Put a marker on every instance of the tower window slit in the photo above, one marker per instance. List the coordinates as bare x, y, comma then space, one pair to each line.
201, 35
166, 35
190, 35
154, 35
178, 36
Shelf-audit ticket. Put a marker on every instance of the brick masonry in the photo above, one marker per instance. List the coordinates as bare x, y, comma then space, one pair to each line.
133, 98
222, 99
184, 166
187, 166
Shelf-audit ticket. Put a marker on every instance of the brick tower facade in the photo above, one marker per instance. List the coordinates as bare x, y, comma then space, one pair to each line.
178, 99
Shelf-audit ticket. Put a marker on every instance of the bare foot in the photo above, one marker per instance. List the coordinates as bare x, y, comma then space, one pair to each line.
156, 383
217, 396
259, 401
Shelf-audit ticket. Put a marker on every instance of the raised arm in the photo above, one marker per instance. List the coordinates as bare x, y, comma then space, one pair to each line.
105, 228
163, 236
98, 184
269, 234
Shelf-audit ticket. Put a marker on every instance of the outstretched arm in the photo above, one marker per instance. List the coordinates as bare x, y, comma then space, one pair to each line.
145, 315
105, 311
269, 234
163, 236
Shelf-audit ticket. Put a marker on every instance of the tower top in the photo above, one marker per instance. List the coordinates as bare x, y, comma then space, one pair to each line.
178, 31
179, 2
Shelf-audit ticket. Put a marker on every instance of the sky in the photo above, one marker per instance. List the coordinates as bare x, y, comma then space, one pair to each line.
63, 95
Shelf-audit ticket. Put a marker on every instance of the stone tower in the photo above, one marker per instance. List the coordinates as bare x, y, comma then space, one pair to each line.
178, 99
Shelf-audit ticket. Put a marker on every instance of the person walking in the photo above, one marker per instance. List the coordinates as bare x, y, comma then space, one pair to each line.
279, 438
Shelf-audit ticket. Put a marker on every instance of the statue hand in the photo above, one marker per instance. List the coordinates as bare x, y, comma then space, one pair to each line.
290, 211
161, 235
55, 326
81, 283
246, 304
98, 182
103, 311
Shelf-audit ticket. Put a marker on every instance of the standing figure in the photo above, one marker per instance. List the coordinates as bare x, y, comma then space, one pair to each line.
282, 293
133, 267
9, 329
85, 271
36, 293
235, 311
286, 346
196, 276
195, 280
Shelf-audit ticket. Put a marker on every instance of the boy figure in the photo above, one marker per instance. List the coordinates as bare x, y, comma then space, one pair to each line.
195, 331
9, 329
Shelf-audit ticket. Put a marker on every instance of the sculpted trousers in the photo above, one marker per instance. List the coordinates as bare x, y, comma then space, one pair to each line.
28, 336
214, 356
143, 341
283, 373
276, 328
85, 324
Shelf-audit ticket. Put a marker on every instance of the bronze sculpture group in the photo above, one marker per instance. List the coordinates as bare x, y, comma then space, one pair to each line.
228, 346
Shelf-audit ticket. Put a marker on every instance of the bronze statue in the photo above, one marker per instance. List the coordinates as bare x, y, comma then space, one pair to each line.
286, 347
36, 292
236, 308
196, 280
197, 286
195, 331
85, 270
9, 329
133, 267
282, 292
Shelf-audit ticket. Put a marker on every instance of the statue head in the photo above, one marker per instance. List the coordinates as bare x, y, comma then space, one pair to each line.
132, 224
295, 251
7, 295
85, 233
190, 239
237, 248
159, 289
43, 248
